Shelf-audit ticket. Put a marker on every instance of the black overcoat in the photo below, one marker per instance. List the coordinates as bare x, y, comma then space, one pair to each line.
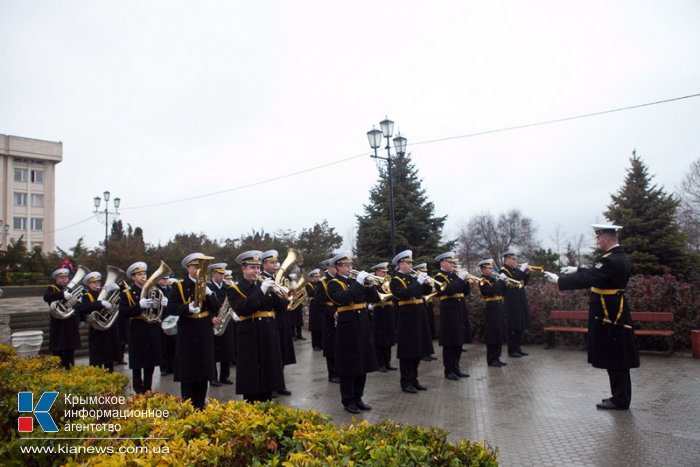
315, 307
63, 333
194, 348
144, 337
104, 346
452, 305
328, 313
515, 300
492, 291
610, 346
384, 323
354, 344
284, 323
414, 339
225, 344
258, 356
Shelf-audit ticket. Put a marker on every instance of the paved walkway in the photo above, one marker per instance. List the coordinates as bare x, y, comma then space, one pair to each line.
539, 410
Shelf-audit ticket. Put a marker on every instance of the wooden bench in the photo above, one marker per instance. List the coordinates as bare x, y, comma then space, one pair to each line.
637, 316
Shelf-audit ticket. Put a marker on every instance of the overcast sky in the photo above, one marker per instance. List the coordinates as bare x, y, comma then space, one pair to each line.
159, 101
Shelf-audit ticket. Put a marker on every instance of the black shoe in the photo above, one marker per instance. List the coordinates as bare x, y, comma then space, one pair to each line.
301, 338
609, 399
462, 375
226, 381
452, 376
514, 355
609, 405
274, 394
523, 354
409, 389
362, 406
463, 350
502, 363
334, 379
426, 358
317, 349
352, 408
495, 364
284, 392
383, 369
432, 357
391, 368
121, 362
215, 383
419, 386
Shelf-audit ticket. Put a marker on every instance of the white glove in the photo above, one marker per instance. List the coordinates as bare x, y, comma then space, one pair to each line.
193, 309
361, 277
462, 274
524, 266
265, 286
111, 288
106, 305
422, 277
164, 301
236, 317
209, 291
566, 270
146, 303
502, 276
551, 277
66, 295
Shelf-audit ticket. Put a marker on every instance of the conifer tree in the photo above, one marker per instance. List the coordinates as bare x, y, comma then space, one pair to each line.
417, 228
650, 235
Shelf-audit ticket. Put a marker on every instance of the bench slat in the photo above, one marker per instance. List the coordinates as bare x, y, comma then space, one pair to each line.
564, 329
652, 316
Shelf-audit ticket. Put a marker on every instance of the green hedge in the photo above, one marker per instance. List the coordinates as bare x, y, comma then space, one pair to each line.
232, 433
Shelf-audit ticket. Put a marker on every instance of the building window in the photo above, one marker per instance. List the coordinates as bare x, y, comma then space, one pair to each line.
20, 199
20, 175
20, 223
37, 176
37, 200
37, 223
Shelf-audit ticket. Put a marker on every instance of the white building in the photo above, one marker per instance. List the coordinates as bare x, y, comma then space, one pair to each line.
28, 190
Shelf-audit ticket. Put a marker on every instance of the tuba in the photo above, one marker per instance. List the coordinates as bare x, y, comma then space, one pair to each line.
153, 314
64, 308
104, 319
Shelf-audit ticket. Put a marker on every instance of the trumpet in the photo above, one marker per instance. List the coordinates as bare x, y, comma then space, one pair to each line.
436, 285
509, 281
471, 278
531, 267
373, 279
279, 290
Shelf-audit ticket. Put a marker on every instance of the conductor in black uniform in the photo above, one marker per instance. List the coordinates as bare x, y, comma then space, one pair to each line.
414, 339
354, 349
258, 357
611, 341
451, 313
515, 303
194, 356
64, 336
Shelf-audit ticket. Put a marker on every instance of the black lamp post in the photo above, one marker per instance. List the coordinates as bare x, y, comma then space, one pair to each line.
106, 212
375, 141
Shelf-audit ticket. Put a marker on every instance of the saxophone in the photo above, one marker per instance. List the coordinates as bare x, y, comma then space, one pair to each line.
226, 314
64, 308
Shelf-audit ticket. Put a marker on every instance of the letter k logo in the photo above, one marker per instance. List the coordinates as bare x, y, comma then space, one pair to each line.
25, 403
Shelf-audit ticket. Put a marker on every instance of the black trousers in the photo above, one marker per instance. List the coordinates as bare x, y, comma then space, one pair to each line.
515, 338
409, 371
317, 339
450, 358
620, 387
167, 344
67, 357
196, 392
493, 352
259, 397
224, 370
352, 388
142, 379
330, 364
383, 356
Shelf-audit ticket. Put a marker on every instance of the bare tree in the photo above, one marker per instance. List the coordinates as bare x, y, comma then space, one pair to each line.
557, 238
484, 236
689, 208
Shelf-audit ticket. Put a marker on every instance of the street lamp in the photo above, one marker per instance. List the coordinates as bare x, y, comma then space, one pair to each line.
5, 229
98, 214
375, 141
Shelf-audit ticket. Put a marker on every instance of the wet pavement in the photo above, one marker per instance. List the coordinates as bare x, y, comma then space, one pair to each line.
538, 410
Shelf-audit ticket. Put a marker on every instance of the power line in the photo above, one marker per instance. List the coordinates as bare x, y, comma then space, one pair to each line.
365, 154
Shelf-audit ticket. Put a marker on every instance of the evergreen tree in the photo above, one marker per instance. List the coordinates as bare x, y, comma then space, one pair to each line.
650, 235
417, 229
318, 243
